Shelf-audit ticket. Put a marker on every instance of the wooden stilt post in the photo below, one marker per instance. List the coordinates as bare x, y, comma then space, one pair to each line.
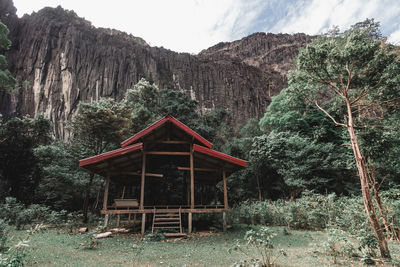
187, 191
143, 223
215, 192
224, 221
190, 222
191, 188
86, 202
134, 222
119, 215
142, 192
105, 200
226, 206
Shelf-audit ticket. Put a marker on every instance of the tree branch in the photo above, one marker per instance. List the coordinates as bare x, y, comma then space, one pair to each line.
329, 115
349, 72
362, 94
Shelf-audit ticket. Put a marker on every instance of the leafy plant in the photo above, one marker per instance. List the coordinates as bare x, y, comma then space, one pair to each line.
259, 241
339, 244
89, 241
3, 235
156, 236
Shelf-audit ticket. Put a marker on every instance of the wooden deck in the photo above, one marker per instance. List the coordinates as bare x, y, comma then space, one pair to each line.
150, 209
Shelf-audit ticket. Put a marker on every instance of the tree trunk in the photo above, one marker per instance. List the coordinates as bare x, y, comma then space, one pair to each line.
97, 198
377, 197
365, 189
259, 189
86, 202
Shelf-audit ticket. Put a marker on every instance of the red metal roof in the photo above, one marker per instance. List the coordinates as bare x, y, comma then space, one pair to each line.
110, 154
219, 155
160, 123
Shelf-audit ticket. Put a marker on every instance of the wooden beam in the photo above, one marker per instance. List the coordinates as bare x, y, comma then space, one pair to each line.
172, 142
169, 131
226, 206
143, 180
142, 191
224, 226
183, 210
143, 223
191, 178
159, 175
187, 190
169, 153
215, 191
105, 199
191, 188
198, 169
190, 222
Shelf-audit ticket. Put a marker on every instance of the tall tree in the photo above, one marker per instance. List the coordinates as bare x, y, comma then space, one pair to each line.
7, 81
99, 126
357, 73
294, 127
19, 173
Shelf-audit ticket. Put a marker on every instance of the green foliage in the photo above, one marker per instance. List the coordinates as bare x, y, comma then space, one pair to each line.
259, 241
63, 183
149, 103
89, 241
3, 235
156, 236
312, 211
17, 214
355, 68
7, 81
99, 125
339, 243
19, 173
303, 163
143, 99
15, 256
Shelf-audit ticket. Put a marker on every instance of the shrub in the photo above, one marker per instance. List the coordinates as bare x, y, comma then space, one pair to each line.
260, 241
19, 215
10, 210
3, 235
339, 243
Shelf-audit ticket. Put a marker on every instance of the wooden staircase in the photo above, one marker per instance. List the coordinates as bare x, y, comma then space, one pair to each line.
168, 220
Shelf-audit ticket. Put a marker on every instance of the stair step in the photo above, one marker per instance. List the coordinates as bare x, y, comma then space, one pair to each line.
166, 227
166, 223
166, 219
175, 234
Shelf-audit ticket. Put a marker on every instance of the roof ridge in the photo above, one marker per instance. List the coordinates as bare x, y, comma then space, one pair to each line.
160, 122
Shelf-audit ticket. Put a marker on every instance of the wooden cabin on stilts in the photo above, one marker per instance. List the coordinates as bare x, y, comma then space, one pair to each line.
158, 170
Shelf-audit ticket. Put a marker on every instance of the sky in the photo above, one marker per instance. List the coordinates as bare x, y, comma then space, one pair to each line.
193, 25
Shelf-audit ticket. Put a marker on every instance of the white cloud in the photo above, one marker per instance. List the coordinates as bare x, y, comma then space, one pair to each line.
316, 16
193, 25
180, 25
394, 38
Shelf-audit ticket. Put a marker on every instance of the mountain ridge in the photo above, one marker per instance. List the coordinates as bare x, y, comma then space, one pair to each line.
67, 60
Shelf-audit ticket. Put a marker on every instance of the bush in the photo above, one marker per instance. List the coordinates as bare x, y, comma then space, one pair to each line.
260, 241
339, 243
311, 211
3, 235
316, 212
9, 211
19, 215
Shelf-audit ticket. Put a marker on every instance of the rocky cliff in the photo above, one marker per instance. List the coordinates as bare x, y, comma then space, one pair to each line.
66, 60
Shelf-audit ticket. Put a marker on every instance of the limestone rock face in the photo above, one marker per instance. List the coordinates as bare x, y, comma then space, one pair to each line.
67, 60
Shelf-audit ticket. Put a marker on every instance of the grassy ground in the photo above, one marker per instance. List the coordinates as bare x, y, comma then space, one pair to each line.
58, 248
